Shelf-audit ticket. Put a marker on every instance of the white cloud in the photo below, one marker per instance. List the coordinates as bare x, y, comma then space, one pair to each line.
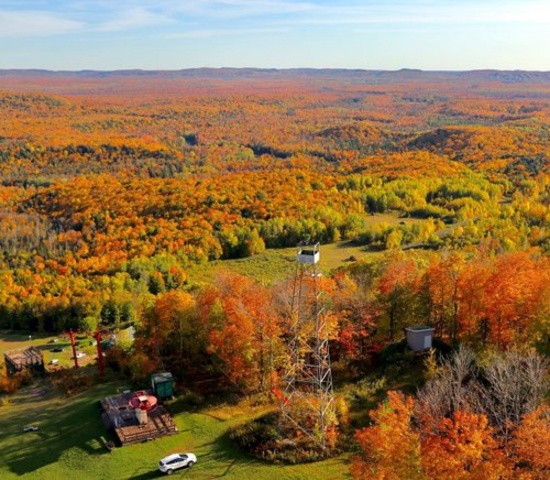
35, 23
66, 16
424, 13
134, 18
255, 7
366, 11
203, 8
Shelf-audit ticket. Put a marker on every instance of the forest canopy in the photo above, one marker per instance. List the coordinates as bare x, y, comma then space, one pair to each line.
113, 186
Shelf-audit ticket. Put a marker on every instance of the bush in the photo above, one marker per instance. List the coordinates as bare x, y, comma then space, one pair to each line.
72, 381
397, 359
262, 439
10, 384
361, 394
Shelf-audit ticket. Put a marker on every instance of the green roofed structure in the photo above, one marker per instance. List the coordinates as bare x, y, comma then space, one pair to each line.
162, 385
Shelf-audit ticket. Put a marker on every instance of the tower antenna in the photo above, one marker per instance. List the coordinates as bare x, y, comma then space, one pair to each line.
307, 402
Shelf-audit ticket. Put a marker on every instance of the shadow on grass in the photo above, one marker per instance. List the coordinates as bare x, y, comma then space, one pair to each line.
65, 432
51, 346
219, 457
148, 475
346, 244
17, 337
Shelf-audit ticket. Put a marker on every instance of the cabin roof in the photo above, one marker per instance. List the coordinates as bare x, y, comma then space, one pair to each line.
28, 356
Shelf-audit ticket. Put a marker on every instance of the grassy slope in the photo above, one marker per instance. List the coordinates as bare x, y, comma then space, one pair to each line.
70, 443
276, 264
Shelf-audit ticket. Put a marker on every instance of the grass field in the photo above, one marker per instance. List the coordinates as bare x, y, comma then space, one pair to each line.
15, 341
274, 265
71, 439
277, 264
71, 443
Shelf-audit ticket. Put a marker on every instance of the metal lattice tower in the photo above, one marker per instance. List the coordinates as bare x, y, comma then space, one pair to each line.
307, 403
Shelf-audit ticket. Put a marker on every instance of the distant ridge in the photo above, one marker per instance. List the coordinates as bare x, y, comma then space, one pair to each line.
405, 74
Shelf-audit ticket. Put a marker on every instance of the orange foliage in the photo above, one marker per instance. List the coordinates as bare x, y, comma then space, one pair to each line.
462, 448
391, 446
241, 328
531, 441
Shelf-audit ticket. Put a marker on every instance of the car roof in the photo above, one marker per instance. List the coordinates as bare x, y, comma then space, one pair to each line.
172, 457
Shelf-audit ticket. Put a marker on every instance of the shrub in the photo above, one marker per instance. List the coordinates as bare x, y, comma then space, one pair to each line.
72, 381
262, 439
362, 393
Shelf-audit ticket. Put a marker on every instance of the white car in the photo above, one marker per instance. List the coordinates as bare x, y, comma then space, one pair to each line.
176, 460
30, 428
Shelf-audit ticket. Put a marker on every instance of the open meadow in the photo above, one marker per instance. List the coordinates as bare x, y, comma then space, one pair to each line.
278, 264
71, 442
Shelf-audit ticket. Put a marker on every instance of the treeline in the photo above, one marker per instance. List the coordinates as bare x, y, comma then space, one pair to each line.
183, 130
235, 328
473, 419
77, 232
106, 201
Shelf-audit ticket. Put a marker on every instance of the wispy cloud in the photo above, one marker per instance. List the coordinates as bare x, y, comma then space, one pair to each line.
225, 33
248, 8
375, 11
35, 23
423, 13
134, 18
40, 17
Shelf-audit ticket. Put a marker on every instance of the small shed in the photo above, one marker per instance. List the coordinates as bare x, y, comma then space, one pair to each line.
29, 359
419, 338
162, 385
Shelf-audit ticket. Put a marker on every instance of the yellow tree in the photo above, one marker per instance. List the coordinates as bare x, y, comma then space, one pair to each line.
391, 446
460, 448
530, 444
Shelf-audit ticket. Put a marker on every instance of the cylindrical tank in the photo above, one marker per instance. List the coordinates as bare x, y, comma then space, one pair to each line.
141, 416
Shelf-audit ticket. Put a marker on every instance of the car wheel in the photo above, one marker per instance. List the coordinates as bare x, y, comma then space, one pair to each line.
169, 471
190, 464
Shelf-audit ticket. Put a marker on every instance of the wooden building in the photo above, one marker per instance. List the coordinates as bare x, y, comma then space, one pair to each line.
28, 359
134, 425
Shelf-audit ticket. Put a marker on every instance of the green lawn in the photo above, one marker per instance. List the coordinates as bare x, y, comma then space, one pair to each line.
70, 443
277, 264
15, 341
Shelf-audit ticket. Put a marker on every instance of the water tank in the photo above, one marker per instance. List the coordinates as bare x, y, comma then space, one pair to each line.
141, 416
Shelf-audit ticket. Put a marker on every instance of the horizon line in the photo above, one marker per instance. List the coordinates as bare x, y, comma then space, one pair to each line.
269, 69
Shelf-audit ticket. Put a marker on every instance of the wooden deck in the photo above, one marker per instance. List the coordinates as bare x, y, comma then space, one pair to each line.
120, 417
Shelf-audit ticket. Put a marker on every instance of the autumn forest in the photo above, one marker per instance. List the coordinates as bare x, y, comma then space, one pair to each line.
114, 185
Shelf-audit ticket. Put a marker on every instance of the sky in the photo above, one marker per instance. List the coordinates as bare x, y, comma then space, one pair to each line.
362, 34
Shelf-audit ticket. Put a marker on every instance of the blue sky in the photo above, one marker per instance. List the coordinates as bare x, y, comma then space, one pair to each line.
368, 34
